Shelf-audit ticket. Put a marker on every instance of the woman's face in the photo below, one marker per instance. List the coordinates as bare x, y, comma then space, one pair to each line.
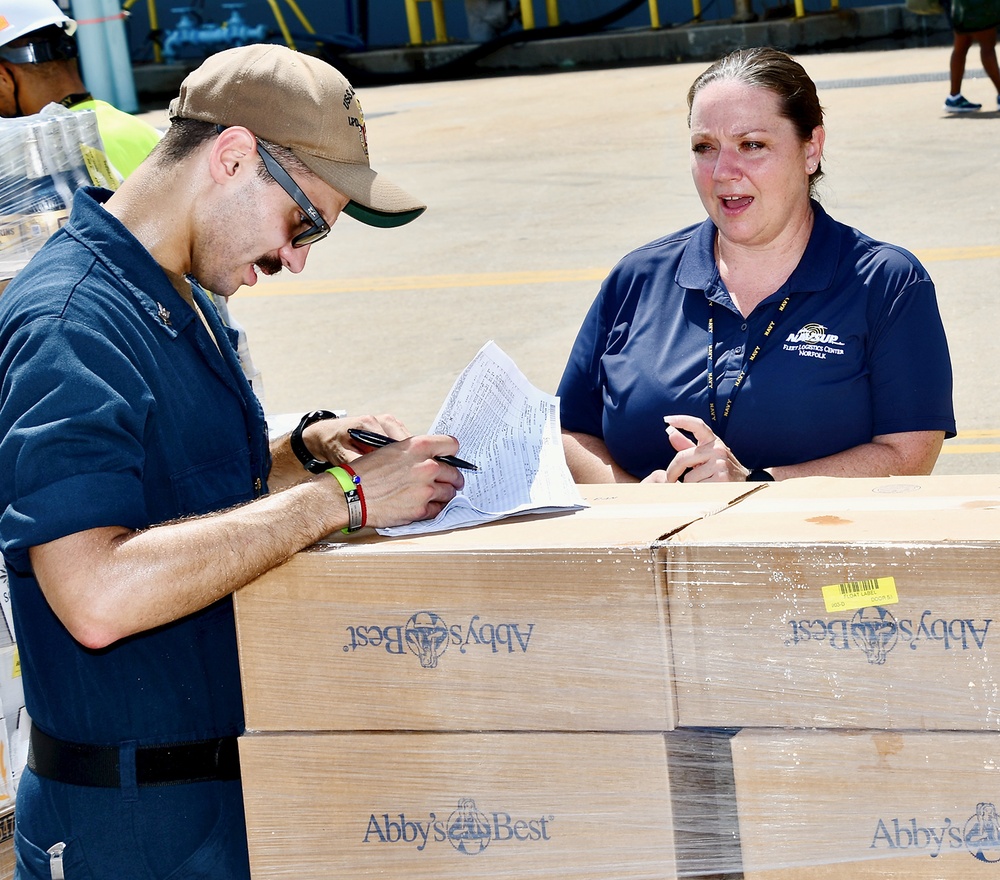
750, 167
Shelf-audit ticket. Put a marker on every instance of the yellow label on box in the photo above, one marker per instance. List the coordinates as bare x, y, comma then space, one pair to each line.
17, 663
98, 167
860, 594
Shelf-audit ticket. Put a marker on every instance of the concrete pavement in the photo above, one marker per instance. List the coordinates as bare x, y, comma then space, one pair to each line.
537, 184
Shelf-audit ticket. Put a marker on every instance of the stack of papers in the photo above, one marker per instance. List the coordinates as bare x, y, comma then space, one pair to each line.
510, 430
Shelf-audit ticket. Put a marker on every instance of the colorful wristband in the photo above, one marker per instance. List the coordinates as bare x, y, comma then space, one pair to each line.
350, 482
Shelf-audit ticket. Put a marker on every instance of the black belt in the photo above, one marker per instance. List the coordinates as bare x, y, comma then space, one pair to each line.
78, 764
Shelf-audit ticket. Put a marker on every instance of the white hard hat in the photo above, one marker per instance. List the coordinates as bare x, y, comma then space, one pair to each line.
20, 17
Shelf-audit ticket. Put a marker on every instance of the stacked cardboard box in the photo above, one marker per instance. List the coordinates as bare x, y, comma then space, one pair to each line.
863, 613
599, 694
489, 702
871, 805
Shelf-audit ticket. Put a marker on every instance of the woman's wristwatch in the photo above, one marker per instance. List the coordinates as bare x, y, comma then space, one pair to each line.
313, 465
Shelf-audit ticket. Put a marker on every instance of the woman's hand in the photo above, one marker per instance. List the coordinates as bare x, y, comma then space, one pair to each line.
706, 459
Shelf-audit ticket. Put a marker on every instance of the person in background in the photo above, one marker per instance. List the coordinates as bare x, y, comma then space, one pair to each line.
773, 341
962, 40
138, 487
38, 66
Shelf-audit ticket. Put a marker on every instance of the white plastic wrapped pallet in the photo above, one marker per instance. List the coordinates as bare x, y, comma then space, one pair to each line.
44, 159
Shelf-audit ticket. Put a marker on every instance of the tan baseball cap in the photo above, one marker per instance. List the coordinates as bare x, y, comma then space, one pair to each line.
300, 102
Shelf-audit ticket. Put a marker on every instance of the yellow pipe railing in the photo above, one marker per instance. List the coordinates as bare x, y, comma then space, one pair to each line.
440, 30
527, 17
413, 22
153, 25
551, 13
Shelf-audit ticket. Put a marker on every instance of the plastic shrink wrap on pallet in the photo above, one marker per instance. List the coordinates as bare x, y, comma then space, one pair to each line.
779, 681
44, 159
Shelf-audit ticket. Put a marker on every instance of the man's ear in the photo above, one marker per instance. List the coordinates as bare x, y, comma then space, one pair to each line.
233, 152
7, 85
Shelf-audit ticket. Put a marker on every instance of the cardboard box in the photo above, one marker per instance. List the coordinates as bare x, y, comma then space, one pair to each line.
462, 806
781, 612
863, 805
7, 843
535, 623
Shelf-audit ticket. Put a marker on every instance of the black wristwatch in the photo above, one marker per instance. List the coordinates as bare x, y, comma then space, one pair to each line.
759, 475
313, 465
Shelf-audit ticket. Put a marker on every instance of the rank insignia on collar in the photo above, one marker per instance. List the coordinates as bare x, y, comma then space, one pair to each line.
163, 314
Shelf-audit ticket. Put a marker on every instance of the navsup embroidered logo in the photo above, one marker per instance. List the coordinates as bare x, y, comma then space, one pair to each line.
468, 829
980, 837
427, 637
813, 340
875, 632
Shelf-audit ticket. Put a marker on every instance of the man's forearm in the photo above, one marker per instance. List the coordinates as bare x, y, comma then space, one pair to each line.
106, 584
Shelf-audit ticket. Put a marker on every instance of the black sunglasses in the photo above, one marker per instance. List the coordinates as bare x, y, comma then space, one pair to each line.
320, 229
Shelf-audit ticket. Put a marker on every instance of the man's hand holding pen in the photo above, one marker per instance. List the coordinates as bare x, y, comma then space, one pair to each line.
406, 480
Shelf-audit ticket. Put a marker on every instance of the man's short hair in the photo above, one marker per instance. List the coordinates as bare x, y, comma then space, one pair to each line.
185, 136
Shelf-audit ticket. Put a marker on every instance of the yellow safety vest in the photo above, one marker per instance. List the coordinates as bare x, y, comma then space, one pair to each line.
127, 140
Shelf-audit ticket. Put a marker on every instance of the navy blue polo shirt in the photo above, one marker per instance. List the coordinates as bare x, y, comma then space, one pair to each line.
856, 349
117, 408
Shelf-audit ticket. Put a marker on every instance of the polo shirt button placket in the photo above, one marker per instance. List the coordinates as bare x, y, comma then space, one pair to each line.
739, 348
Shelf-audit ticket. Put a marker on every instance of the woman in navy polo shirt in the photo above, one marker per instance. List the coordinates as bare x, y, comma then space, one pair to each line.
769, 341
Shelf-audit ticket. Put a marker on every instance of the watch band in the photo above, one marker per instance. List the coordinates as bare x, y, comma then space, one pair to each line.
759, 475
313, 465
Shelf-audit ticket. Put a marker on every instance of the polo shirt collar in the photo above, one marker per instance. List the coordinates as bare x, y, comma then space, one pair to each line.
816, 270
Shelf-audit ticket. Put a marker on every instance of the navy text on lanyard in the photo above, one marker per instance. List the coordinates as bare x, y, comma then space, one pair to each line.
719, 421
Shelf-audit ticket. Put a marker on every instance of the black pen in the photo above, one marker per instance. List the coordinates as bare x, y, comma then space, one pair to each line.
378, 440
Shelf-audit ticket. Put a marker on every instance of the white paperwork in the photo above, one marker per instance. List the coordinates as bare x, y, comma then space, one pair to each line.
510, 430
